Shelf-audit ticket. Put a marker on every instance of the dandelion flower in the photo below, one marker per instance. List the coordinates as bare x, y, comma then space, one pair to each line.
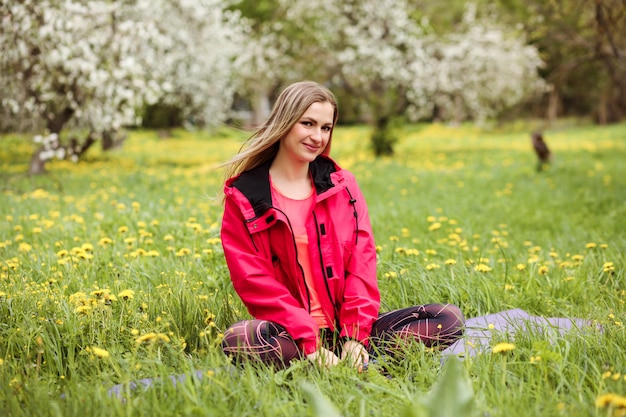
100, 353
482, 268
82, 310
543, 270
104, 241
520, 267
503, 347
611, 400
434, 226
126, 295
152, 338
450, 262
590, 245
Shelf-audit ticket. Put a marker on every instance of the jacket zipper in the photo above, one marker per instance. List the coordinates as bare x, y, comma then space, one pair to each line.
324, 273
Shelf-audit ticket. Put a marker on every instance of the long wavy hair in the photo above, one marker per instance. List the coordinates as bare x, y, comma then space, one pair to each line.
291, 104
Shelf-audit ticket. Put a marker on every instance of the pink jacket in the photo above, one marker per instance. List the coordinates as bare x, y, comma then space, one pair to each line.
260, 251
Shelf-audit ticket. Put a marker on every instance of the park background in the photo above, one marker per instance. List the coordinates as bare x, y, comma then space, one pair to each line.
115, 116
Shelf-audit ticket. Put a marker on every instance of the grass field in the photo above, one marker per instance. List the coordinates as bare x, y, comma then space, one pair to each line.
111, 272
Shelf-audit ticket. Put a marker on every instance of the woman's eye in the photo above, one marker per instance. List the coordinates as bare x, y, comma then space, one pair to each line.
326, 128
307, 124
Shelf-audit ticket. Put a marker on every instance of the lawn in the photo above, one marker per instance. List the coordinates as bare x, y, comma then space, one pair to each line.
111, 272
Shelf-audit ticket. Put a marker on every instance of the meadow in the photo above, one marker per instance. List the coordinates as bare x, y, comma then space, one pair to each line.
111, 272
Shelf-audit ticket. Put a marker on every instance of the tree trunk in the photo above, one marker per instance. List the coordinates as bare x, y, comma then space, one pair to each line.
261, 107
111, 140
553, 105
37, 163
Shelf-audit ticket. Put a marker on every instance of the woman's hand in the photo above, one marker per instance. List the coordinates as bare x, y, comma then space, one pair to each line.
323, 357
355, 353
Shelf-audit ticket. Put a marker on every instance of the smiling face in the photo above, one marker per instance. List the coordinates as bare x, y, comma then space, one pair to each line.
309, 137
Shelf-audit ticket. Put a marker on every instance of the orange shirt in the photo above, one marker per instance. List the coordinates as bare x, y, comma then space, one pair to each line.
297, 212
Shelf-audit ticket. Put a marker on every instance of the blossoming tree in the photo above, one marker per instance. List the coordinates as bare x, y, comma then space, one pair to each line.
92, 66
380, 54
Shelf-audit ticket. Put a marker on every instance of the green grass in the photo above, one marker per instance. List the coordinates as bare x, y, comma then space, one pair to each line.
125, 247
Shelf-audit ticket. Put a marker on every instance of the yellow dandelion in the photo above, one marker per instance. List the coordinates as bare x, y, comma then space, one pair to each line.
503, 347
590, 245
168, 237
611, 400
152, 338
122, 229
105, 241
183, 252
608, 267
98, 352
82, 310
450, 262
520, 267
126, 295
434, 226
482, 268
25, 247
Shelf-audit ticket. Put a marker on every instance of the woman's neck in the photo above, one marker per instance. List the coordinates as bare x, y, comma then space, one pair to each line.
291, 179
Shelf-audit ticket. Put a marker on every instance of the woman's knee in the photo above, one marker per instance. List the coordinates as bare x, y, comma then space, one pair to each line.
454, 313
259, 340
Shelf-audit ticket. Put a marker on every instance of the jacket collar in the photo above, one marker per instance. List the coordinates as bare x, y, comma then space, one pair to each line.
255, 183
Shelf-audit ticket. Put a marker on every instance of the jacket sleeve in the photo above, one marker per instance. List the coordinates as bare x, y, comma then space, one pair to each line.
253, 277
361, 298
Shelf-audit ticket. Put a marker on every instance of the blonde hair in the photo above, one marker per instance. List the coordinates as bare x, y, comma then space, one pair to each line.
291, 104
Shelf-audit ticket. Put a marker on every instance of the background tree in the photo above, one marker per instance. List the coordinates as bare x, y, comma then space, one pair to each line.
94, 65
376, 53
481, 69
584, 46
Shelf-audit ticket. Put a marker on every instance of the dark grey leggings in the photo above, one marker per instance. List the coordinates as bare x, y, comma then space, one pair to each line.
266, 341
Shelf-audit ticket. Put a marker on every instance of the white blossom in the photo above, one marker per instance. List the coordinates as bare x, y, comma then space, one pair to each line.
106, 60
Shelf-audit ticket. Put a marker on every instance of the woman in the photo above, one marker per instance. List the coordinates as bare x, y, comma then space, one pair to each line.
299, 246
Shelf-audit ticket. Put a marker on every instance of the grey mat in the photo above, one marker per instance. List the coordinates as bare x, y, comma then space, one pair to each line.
479, 331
